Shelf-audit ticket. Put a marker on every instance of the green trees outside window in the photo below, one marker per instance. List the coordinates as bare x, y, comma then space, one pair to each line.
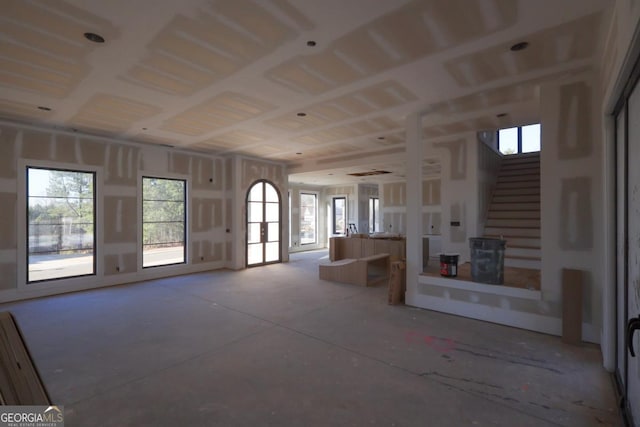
61, 223
163, 221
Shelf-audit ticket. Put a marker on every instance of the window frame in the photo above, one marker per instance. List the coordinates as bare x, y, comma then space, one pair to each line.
315, 217
24, 230
185, 216
519, 141
334, 231
374, 219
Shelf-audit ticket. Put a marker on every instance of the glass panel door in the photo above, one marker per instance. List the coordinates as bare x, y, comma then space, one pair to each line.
263, 224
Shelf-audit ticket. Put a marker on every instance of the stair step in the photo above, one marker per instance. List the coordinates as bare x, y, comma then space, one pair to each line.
521, 157
517, 223
512, 231
515, 251
520, 171
519, 165
516, 198
518, 178
518, 184
518, 241
506, 206
534, 264
494, 214
517, 191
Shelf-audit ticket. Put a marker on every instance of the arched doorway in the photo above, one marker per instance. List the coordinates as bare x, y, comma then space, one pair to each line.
263, 224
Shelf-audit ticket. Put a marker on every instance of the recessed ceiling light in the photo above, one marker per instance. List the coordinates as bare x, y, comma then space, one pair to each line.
298, 154
519, 46
381, 138
501, 115
330, 174
144, 128
311, 43
40, 107
93, 37
301, 114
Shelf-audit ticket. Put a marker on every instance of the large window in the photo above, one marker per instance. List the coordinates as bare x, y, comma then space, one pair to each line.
163, 221
61, 224
374, 214
308, 218
523, 139
339, 215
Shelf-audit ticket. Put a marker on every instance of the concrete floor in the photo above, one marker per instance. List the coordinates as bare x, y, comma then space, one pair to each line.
276, 346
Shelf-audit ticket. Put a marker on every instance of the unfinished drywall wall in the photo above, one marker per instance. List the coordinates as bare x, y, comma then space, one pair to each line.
119, 168
619, 33
572, 191
394, 211
431, 206
460, 191
488, 169
393, 207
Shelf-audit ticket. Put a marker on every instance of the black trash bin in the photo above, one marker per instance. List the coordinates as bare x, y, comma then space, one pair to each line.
487, 260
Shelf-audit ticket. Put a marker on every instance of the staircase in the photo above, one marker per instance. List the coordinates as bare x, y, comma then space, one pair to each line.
514, 213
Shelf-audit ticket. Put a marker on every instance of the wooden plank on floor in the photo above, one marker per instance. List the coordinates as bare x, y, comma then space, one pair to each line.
571, 306
20, 383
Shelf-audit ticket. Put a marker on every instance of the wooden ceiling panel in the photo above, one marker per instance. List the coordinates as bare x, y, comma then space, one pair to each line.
569, 42
487, 99
43, 49
213, 45
350, 130
470, 125
410, 32
220, 111
21, 110
238, 138
379, 96
111, 113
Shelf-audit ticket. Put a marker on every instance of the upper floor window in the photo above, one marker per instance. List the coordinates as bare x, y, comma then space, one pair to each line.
163, 221
521, 139
61, 237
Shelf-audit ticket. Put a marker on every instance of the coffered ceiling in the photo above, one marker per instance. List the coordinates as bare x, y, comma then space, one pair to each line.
311, 83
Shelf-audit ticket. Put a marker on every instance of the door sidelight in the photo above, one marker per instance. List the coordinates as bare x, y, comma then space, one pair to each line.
633, 324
